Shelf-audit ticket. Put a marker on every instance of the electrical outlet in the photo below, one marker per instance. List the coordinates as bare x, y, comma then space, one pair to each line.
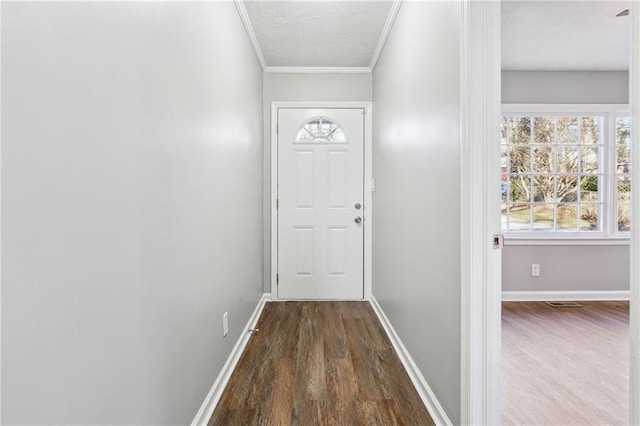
535, 270
225, 324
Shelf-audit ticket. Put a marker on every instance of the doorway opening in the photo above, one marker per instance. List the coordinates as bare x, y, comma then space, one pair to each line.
565, 201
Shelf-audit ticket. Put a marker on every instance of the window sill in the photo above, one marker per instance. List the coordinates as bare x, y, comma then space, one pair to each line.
519, 240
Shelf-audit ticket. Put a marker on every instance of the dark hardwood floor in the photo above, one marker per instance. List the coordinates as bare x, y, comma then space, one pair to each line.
320, 363
565, 366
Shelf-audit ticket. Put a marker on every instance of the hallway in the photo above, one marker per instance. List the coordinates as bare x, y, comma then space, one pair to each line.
320, 363
139, 198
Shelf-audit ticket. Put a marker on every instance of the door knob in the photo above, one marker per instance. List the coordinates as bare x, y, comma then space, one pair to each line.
357, 206
358, 219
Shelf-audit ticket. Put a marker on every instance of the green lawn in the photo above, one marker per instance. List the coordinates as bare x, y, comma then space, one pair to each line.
543, 217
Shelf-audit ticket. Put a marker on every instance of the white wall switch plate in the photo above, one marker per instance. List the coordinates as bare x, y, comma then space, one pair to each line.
498, 241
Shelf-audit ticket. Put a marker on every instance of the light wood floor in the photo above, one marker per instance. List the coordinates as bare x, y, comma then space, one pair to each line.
565, 366
319, 363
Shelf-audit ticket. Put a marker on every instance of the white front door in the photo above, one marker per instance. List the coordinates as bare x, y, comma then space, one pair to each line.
320, 203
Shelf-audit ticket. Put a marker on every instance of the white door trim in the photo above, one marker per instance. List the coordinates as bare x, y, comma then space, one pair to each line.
368, 184
634, 321
480, 214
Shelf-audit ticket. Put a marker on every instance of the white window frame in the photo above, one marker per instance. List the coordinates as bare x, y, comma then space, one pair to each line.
609, 234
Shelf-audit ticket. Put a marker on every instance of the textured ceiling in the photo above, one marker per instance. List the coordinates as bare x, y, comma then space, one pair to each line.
565, 35
318, 33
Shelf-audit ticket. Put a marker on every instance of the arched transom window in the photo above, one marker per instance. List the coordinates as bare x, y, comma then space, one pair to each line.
320, 130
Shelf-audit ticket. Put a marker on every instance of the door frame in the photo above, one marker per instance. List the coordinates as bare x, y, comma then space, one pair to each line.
481, 264
634, 303
481, 383
368, 184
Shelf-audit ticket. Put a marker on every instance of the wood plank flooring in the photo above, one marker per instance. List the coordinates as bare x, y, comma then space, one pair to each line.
565, 366
320, 363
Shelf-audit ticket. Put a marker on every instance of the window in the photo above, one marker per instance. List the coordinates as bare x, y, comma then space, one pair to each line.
320, 130
565, 173
622, 173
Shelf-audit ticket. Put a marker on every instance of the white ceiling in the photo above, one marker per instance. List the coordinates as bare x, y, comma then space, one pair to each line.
551, 35
565, 35
318, 33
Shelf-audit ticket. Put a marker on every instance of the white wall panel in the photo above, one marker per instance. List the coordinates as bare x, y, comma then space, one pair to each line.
416, 154
131, 207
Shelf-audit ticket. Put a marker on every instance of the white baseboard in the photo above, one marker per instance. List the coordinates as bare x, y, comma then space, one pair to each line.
206, 410
549, 296
426, 394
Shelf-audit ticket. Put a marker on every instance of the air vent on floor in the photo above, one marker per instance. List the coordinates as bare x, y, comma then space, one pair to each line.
564, 304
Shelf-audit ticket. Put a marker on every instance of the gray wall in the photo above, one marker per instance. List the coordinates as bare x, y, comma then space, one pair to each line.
416, 231
132, 199
301, 87
565, 87
565, 268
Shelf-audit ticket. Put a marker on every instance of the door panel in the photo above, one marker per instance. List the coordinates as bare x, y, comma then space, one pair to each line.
338, 243
320, 195
304, 251
338, 183
304, 179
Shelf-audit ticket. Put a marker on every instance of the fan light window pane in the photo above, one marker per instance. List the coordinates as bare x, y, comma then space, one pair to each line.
320, 130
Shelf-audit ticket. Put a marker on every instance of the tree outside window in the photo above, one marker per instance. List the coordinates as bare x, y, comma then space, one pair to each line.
553, 170
623, 173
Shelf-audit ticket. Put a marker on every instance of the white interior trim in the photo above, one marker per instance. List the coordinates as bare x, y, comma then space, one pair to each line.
480, 358
611, 241
0, 224
429, 399
550, 296
368, 173
244, 17
634, 322
318, 70
564, 108
208, 406
386, 30
274, 195
368, 201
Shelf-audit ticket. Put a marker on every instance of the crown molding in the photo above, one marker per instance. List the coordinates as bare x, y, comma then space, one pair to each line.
244, 16
395, 7
318, 70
